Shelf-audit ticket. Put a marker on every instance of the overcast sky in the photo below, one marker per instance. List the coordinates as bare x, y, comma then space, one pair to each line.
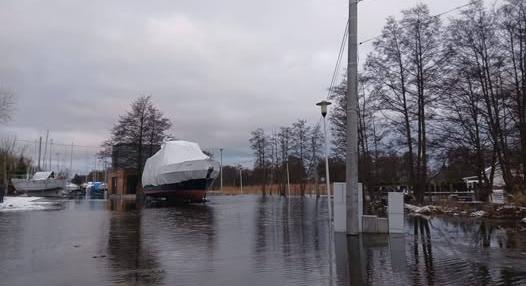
217, 69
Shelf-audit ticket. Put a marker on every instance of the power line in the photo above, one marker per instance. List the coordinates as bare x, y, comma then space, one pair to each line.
338, 61
60, 144
434, 16
452, 10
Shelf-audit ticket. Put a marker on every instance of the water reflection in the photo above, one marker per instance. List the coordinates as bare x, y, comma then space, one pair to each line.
247, 240
430, 255
290, 235
130, 260
422, 250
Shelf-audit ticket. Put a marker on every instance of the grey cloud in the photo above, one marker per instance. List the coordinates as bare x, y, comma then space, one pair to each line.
218, 69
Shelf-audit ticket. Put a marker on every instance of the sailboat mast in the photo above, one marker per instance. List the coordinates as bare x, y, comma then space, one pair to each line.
39, 152
45, 150
50, 153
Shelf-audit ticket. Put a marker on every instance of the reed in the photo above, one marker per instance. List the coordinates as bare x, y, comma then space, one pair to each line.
273, 190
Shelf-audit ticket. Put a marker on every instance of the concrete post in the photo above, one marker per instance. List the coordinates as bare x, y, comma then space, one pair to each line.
351, 165
359, 207
395, 211
340, 208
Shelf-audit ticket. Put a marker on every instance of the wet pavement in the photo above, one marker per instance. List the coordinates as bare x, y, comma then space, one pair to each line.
247, 240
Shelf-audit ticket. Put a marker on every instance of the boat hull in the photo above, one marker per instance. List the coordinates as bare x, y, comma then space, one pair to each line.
40, 188
187, 191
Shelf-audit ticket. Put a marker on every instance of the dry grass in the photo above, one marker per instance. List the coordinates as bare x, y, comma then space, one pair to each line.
295, 190
519, 199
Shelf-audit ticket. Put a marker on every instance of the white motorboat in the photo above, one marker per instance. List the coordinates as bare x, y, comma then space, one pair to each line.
42, 184
179, 171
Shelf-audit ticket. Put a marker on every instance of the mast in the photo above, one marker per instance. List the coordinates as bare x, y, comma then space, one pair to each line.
45, 150
39, 152
50, 153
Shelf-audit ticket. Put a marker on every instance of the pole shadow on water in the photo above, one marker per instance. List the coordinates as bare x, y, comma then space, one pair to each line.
422, 237
370, 259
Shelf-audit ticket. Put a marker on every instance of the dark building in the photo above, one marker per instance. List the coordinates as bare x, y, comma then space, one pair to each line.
124, 155
124, 175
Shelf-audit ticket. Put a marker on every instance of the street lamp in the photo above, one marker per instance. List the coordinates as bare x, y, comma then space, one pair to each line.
324, 104
241, 178
221, 169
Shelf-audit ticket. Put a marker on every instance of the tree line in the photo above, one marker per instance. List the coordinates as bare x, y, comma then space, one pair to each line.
446, 98
289, 154
439, 101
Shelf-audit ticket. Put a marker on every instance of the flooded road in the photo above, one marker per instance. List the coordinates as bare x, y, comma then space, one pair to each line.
247, 240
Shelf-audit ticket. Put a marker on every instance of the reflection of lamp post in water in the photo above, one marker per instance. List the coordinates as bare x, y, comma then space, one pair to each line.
324, 104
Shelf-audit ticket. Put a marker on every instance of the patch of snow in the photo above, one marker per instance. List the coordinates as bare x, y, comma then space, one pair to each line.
478, 213
423, 210
524, 220
411, 208
26, 204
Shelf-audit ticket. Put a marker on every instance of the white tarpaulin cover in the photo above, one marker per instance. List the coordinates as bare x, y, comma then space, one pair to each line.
177, 161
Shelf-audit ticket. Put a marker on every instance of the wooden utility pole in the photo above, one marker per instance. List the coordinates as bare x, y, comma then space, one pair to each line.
351, 162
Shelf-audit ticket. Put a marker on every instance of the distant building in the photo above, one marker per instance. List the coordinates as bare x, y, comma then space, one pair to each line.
124, 175
498, 178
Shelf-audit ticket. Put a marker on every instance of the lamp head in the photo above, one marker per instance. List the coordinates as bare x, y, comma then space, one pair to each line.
323, 105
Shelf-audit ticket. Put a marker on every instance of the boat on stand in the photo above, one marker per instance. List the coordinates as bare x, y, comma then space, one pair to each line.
180, 172
42, 184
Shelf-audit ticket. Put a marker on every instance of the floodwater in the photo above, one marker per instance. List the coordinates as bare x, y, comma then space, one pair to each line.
247, 240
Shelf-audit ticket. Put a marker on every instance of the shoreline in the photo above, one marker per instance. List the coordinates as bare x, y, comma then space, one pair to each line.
507, 212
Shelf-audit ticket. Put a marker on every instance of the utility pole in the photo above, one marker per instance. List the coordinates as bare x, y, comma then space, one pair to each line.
71, 160
241, 178
288, 177
105, 171
39, 153
221, 167
351, 162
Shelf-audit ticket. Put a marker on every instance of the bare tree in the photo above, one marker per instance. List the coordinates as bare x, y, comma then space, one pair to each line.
7, 147
143, 127
422, 40
315, 153
475, 39
284, 139
259, 144
387, 71
300, 141
512, 25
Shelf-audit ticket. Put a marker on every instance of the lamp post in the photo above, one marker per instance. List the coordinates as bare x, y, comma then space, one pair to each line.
324, 104
221, 168
241, 178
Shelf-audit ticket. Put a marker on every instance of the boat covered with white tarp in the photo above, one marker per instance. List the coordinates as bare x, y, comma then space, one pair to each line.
179, 170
